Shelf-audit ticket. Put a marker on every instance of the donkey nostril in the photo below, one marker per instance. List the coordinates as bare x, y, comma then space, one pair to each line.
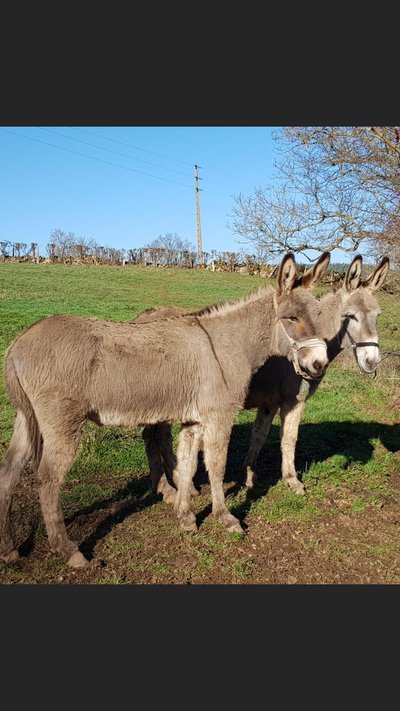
317, 365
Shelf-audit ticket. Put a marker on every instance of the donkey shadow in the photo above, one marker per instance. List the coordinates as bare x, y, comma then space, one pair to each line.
316, 443
107, 513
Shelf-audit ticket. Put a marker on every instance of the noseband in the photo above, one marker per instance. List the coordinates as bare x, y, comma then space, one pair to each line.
360, 344
296, 346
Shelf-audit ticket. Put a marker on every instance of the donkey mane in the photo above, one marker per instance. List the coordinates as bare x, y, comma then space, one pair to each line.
167, 313
223, 307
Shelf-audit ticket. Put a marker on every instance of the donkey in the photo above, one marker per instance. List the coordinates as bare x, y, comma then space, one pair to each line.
195, 369
348, 322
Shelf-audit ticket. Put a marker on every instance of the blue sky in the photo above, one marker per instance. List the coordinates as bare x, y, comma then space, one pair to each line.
43, 187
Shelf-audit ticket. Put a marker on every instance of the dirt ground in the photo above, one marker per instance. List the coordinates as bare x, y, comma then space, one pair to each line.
130, 536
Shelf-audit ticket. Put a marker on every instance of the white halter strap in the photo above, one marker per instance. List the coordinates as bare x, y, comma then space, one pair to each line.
296, 346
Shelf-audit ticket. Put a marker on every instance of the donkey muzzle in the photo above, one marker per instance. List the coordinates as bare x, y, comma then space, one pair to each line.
367, 356
310, 358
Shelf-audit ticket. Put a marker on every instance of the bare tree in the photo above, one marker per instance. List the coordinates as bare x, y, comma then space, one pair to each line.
388, 243
62, 244
19, 247
230, 259
135, 255
336, 187
5, 248
170, 245
84, 247
33, 250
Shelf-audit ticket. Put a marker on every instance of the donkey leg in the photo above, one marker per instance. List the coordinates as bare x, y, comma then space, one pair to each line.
290, 421
162, 461
170, 463
169, 460
155, 441
259, 434
58, 455
17, 456
188, 446
216, 441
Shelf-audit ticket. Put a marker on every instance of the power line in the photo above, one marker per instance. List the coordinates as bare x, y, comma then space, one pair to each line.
129, 145
99, 160
110, 150
114, 140
85, 155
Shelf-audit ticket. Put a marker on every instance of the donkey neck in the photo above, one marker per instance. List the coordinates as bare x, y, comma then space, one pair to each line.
244, 327
332, 327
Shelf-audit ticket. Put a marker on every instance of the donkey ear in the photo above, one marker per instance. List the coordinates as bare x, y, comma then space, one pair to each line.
352, 279
378, 276
287, 274
313, 275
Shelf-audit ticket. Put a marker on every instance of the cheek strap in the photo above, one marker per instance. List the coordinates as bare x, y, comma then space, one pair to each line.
360, 344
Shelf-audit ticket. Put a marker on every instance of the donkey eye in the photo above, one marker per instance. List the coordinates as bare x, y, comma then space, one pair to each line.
353, 316
291, 318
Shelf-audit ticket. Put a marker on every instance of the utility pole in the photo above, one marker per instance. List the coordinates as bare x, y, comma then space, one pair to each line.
199, 242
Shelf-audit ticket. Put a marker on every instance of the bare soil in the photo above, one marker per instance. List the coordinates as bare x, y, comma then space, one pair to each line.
131, 536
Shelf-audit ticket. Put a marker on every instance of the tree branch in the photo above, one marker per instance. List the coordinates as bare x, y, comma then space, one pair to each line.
385, 139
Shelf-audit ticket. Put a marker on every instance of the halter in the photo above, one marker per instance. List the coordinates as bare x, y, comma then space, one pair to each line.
296, 346
360, 344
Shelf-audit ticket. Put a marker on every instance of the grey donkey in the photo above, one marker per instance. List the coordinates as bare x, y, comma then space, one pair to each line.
348, 322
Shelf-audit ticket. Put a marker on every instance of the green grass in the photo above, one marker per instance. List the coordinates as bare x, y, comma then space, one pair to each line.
347, 450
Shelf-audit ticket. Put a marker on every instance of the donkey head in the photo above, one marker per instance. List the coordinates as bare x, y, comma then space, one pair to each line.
359, 312
297, 317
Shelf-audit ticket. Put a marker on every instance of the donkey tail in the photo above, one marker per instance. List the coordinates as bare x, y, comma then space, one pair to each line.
22, 403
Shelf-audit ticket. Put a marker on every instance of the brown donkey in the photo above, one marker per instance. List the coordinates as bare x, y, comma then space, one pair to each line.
65, 369
348, 322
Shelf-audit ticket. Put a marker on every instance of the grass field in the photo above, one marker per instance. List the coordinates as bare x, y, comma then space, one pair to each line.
345, 530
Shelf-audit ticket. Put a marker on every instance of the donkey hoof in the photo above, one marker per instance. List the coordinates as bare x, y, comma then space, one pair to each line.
188, 523
190, 527
231, 523
295, 485
169, 496
251, 478
193, 491
77, 560
235, 528
10, 557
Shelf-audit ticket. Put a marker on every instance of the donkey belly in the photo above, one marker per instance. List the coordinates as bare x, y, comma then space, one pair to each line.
139, 401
